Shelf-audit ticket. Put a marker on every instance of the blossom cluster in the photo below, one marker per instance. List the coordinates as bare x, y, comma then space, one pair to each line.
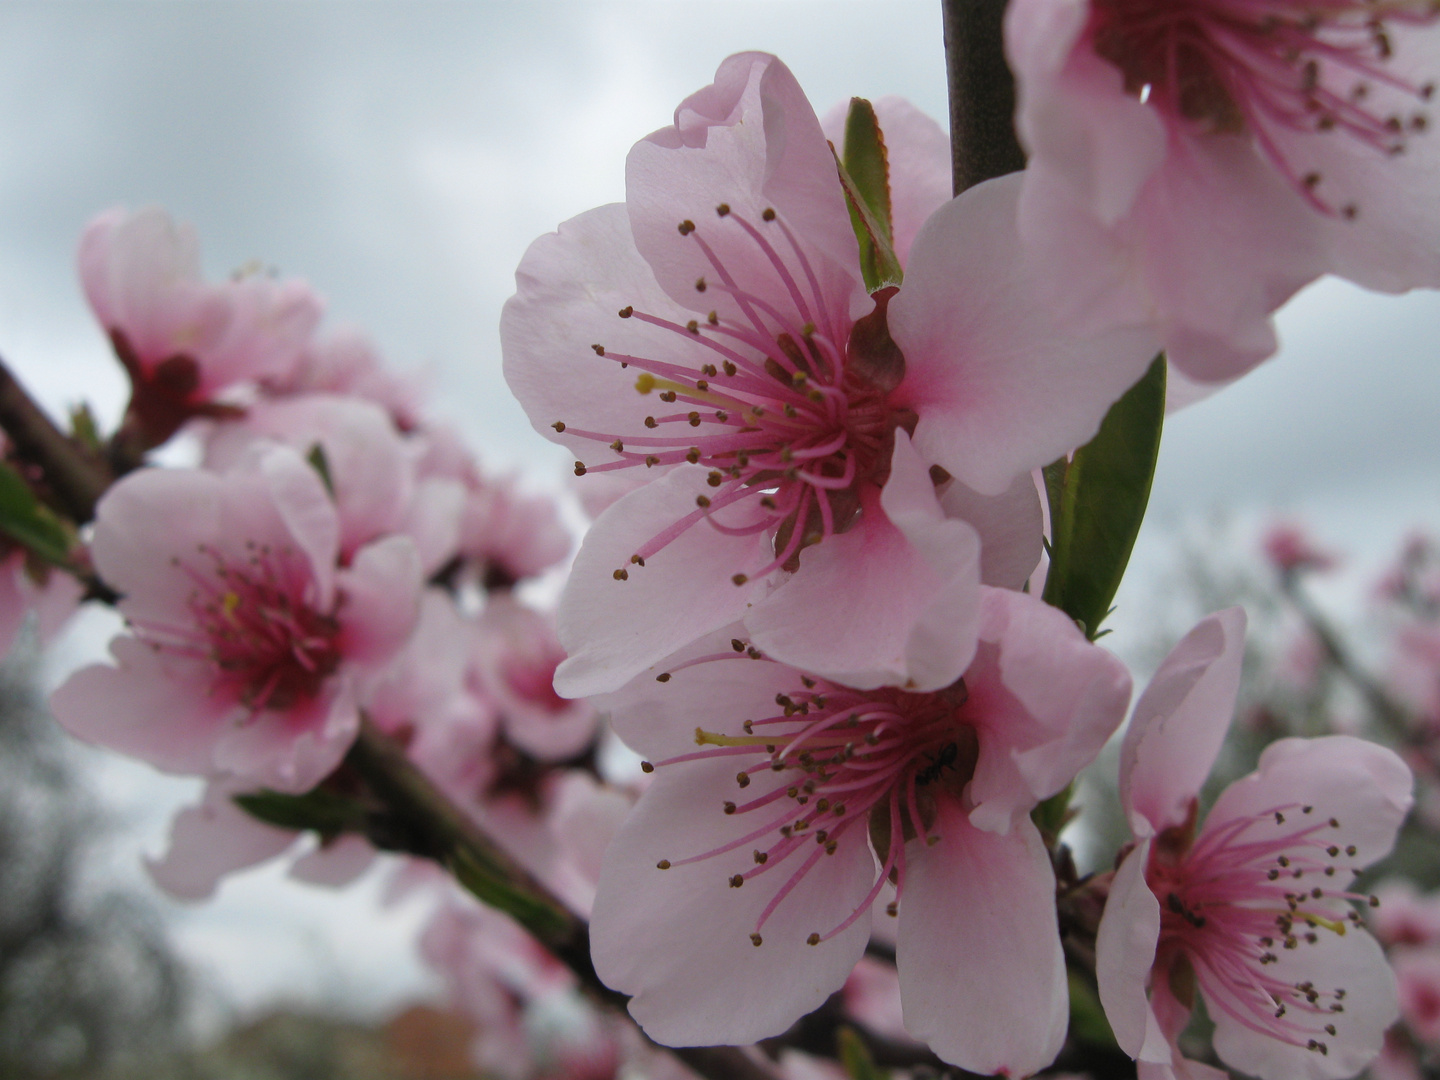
831, 422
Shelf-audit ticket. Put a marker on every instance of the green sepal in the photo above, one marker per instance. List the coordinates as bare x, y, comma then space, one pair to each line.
864, 169
321, 464
1087, 1015
488, 885
1052, 815
29, 522
1097, 502
855, 1059
322, 811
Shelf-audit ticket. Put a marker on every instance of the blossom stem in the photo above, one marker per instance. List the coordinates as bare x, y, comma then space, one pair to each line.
983, 144
75, 479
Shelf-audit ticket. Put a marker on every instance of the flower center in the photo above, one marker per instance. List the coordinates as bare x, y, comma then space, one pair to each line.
786, 404
1265, 67
1245, 890
874, 760
269, 649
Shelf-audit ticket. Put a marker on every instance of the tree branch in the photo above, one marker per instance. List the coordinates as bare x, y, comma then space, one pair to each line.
982, 93
74, 478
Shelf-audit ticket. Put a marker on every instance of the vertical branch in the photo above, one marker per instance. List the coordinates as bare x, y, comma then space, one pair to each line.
982, 93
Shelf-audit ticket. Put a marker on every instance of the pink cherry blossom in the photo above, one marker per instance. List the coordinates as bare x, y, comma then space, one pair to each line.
27, 585
184, 342
1417, 971
1204, 159
516, 654
1405, 917
1253, 911
738, 894
345, 362
373, 471
245, 641
791, 427
1289, 548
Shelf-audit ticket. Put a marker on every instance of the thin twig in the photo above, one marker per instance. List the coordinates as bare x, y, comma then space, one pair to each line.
983, 144
74, 478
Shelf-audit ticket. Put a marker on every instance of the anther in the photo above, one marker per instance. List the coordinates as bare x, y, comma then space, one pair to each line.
599, 349
1350, 849
667, 396
651, 461
768, 214
617, 446
736, 880
646, 767
761, 857
713, 318
892, 909
693, 326
729, 807
621, 575
730, 368
813, 939
740, 579
664, 676
700, 284
739, 646
579, 468
1279, 820
701, 385
663, 864
756, 940
702, 501
743, 779
723, 209
687, 227
637, 560
626, 311
558, 425
694, 419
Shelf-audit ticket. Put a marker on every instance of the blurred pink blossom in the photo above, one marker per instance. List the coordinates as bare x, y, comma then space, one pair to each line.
1289, 548
245, 641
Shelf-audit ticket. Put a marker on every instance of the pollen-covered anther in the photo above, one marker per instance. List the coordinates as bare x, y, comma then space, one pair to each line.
646, 767
686, 227
702, 501
626, 311
761, 857
740, 579
693, 455
743, 779
579, 468
621, 575
729, 807
693, 326
663, 864
558, 425
637, 560
723, 209
617, 446
768, 214
599, 349
664, 676
700, 285
736, 880
813, 939
756, 940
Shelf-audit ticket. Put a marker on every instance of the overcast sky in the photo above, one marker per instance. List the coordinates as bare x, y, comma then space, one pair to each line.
401, 157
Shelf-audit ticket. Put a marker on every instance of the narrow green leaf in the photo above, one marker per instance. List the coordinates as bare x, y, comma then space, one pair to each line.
28, 521
1087, 1015
865, 176
1098, 500
321, 464
323, 811
855, 1059
538, 916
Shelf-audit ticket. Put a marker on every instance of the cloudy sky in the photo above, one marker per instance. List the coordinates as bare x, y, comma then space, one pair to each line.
400, 156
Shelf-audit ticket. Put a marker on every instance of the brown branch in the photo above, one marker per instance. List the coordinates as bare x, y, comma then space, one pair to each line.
75, 478
433, 827
983, 144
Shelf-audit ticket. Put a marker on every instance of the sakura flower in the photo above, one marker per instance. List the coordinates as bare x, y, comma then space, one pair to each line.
516, 658
345, 363
1417, 971
1289, 548
1405, 917
1253, 910
27, 585
738, 893
182, 341
801, 424
371, 469
1202, 160
244, 642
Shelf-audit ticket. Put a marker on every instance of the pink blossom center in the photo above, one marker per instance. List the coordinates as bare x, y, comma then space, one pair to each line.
1248, 891
871, 760
1265, 67
252, 624
793, 402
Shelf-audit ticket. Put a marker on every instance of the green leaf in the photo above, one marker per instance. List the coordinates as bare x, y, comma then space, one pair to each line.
1087, 1015
855, 1059
321, 464
28, 521
1052, 815
323, 811
489, 886
864, 170
1097, 502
